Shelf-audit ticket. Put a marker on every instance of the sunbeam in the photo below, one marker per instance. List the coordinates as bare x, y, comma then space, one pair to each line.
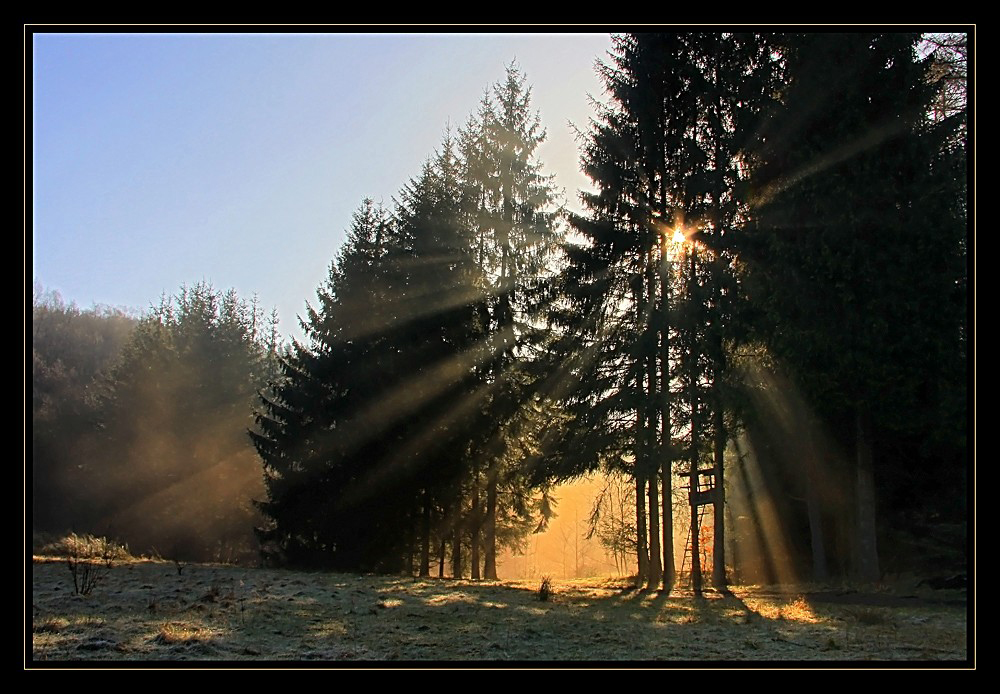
873, 137
797, 446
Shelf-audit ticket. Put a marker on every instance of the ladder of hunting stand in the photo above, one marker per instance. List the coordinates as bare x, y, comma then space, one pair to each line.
687, 544
701, 498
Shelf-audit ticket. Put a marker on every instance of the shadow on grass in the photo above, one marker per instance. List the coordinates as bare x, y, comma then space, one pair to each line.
283, 615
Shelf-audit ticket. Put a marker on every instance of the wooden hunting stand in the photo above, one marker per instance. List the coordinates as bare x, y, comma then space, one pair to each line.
701, 492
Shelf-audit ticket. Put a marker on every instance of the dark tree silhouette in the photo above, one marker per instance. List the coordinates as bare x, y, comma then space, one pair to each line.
857, 259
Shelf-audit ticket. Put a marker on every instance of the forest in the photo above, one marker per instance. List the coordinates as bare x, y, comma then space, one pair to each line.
757, 324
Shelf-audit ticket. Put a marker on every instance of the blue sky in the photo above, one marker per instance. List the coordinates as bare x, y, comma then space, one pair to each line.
161, 160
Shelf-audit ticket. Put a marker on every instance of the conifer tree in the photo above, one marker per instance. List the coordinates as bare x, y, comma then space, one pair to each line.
665, 154
446, 320
176, 469
314, 429
367, 438
605, 309
412, 396
508, 203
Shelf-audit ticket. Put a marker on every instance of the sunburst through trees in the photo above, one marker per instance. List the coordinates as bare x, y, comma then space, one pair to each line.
765, 206
401, 426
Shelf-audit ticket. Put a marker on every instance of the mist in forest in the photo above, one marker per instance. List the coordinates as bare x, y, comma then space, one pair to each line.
149, 447
566, 548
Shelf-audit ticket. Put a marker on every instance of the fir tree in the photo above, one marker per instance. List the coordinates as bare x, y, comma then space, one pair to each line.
664, 153
177, 471
315, 432
412, 396
509, 204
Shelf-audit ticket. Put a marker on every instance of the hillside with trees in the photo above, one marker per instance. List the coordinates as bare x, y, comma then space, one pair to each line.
139, 424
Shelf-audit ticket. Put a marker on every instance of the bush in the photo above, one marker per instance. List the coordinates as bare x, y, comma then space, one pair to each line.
545, 589
86, 547
87, 573
88, 558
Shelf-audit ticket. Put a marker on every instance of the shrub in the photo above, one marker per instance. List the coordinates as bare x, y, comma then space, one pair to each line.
545, 589
86, 547
89, 560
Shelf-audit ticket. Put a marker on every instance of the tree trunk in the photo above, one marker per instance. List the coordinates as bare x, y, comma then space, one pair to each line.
411, 544
820, 572
456, 546
815, 510
655, 571
475, 522
640, 444
719, 506
441, 554
695, 476
734, 555
490, 565
649, 421
655, 567
669, 571
867, 569
666, 435
695, 530
642, 554
718, 354
425, 537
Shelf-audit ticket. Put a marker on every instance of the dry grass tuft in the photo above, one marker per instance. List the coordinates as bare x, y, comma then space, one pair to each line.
86, 547
799, 611
51, 625
180, 633
869, 615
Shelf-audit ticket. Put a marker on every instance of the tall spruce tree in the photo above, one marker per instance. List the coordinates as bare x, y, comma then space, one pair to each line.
316, 430
444, 335
509, 204
476, 183
665, 154
733, 78
611, 304
406, 419
368, 438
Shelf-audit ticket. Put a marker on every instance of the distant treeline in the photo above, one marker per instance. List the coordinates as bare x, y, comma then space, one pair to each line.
139, 422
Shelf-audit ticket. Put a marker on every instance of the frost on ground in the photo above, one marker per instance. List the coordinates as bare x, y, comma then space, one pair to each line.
150, 611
